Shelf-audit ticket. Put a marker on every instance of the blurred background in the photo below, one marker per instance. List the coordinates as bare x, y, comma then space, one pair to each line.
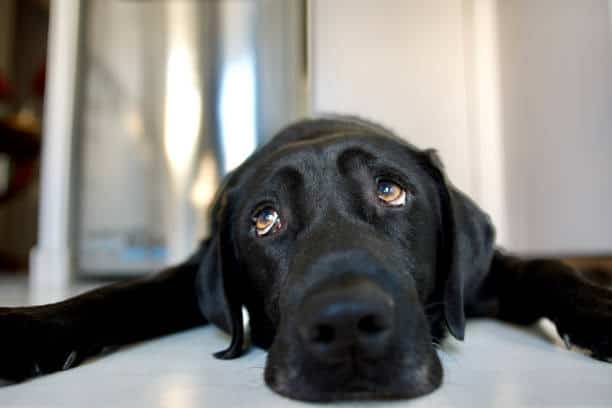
118, 118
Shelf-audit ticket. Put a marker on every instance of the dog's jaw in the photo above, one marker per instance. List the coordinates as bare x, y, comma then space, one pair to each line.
410, 368
409, 383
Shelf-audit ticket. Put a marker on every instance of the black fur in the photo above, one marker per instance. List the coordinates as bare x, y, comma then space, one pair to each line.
432, 260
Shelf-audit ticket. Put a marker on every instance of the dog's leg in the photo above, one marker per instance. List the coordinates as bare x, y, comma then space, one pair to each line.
42, 339
522, 291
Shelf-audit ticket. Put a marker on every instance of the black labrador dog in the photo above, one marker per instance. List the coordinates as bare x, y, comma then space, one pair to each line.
352, 254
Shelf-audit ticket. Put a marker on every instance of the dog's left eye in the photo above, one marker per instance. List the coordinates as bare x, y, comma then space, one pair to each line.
266, 221
390, 193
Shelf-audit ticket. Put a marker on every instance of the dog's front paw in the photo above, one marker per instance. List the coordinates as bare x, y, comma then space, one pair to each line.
33, 342
582, 313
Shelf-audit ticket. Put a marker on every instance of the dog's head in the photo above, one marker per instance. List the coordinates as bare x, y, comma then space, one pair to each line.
349, 249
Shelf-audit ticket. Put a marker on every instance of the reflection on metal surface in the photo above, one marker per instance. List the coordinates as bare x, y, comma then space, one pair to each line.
182, 132
183, 100
183, 112
203, 191
175, 94
237, 105
237, 112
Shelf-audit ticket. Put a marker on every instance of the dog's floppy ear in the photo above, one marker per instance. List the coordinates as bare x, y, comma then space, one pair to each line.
468, 238
217, 283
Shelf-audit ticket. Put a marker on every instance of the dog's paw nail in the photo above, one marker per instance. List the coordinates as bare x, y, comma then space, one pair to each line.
567, 341
70, 360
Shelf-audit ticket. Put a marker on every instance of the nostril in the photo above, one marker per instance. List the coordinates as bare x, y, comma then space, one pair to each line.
339, 321
323, 333
372, 325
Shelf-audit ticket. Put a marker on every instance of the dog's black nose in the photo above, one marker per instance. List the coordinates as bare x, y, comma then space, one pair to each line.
352, 319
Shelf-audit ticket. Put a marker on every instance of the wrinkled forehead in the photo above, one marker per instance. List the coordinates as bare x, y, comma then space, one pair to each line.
334, 154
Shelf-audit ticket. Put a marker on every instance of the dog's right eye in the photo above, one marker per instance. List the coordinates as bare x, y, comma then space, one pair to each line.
266, 221
390, 193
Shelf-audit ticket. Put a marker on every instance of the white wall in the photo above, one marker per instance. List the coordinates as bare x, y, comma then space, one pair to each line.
425, 68
399, 62
516, 95
556, 87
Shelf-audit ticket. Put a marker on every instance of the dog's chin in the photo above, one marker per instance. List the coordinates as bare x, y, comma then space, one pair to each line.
305, 385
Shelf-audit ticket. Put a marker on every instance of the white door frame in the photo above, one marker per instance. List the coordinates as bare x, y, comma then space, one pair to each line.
51, 260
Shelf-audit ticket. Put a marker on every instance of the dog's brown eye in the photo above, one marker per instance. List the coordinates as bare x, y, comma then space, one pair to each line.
390, 193
265, 221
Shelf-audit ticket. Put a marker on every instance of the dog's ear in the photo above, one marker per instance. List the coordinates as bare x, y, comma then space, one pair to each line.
217, 283
467, 243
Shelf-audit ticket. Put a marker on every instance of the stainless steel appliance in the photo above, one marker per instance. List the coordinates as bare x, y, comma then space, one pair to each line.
171, 96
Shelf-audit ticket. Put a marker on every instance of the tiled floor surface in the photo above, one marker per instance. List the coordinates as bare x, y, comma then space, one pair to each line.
497, 366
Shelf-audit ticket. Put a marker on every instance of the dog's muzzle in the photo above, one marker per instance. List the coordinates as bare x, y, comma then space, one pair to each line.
341, 335
347, 322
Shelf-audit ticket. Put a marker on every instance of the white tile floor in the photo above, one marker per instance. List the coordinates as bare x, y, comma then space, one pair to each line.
497, 366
